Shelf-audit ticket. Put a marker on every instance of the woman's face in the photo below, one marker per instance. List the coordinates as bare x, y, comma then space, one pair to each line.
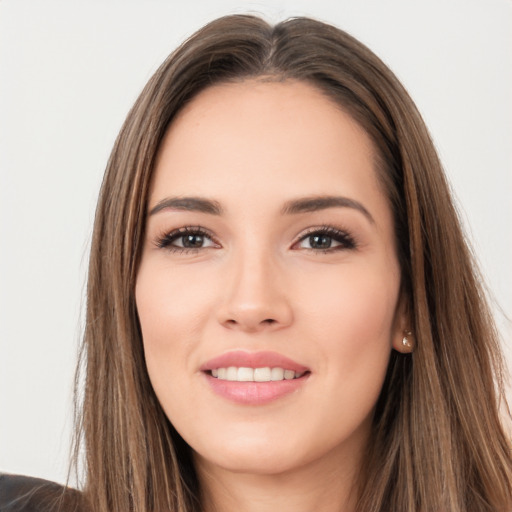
269, 283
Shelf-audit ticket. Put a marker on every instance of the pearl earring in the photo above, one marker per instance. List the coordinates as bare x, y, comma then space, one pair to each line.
406, 342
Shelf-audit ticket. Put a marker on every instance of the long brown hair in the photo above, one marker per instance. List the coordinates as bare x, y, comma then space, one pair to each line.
437, 442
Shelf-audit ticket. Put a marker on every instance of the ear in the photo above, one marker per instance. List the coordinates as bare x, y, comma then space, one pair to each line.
403, 337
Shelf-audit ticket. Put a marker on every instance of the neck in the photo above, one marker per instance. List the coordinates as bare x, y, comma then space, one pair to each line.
310, 488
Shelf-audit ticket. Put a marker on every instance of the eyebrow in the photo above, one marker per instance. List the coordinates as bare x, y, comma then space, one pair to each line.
192, 204
316, 203
295, 206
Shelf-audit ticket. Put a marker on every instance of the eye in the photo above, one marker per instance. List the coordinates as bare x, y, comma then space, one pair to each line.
192, 241
326, 239
188, 238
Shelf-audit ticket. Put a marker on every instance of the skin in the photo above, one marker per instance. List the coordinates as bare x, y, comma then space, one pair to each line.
259, 283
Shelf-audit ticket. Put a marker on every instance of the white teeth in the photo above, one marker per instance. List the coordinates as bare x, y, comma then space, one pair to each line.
265, 374
277, 374
262, 374
289, 374
246, 374
232, 373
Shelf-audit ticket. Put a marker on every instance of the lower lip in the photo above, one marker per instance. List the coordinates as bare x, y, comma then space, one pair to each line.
254, 393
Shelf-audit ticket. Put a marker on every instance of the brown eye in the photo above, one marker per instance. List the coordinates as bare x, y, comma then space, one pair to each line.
186, 239
326, 239
320, 241
191, 241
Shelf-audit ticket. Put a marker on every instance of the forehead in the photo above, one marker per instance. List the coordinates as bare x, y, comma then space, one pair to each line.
274, 138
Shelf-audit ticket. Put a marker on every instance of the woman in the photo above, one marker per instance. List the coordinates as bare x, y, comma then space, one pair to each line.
282, 310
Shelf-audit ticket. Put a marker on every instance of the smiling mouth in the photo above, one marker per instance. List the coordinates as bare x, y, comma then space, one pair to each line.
244, 374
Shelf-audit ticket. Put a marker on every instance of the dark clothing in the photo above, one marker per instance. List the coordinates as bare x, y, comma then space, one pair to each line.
27, 494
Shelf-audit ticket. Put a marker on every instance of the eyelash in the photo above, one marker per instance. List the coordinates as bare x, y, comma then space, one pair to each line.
343, 237
166, 240
346, 241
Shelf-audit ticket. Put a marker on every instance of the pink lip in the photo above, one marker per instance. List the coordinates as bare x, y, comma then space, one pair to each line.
243, 359
254, 393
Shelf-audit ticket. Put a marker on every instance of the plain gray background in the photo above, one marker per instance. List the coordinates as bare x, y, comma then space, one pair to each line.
69, 72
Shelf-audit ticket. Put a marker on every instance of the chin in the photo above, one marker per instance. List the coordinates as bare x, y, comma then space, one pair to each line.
248, 461
260, 453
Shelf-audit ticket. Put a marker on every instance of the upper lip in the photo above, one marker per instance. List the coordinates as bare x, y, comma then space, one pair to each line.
241, 359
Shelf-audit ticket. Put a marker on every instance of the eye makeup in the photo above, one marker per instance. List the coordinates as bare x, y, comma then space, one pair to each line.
326, 239
323, 239
186, 239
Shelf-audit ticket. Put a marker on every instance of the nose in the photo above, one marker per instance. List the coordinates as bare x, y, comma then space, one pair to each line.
256, 297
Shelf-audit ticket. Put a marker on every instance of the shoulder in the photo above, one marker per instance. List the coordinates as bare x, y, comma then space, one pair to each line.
28, 494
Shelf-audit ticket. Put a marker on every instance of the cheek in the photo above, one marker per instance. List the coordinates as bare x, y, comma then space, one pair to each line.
169, 303
351, 316
171, 313
353, 305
